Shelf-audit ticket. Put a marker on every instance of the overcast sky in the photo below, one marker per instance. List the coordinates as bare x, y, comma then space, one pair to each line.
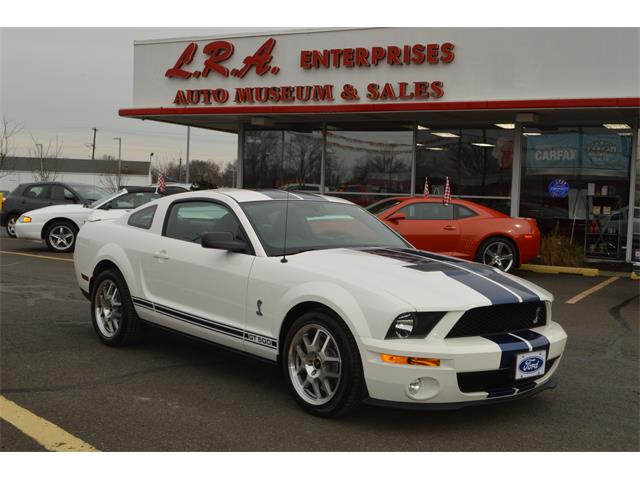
63, 81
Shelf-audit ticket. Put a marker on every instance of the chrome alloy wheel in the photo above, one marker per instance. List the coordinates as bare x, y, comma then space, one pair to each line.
61, 237
498, 254
108, 308
315, 365
11, 226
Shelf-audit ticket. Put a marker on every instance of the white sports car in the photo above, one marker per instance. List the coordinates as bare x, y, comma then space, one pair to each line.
58, 225
348, 309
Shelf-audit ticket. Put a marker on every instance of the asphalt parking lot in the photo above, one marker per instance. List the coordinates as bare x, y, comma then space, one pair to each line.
172, 393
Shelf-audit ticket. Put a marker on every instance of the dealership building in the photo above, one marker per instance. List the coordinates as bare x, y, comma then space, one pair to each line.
539, 123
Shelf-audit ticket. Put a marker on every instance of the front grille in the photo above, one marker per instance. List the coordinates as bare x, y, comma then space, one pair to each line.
496, 380
509, 317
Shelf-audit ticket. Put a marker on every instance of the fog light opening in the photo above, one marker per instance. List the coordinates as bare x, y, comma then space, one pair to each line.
414, 387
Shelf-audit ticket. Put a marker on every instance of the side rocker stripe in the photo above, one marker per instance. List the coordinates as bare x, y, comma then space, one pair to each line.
234, 332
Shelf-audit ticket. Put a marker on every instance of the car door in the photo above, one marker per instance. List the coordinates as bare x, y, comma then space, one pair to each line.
429, 226
199, 290
36, 196
60, 195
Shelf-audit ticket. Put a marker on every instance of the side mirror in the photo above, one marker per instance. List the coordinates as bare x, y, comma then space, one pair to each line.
223, 241
396, 217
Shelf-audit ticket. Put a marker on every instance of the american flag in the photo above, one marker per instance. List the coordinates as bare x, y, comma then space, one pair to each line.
162, 185
426, 187
447, 193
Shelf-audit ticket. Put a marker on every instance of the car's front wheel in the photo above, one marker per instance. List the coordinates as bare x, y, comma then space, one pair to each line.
60, 236
498, 252
322, 364
11, 225
112, 312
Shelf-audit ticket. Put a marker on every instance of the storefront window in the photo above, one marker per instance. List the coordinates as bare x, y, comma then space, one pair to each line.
282, 159
575, 182
364, 167
478, 162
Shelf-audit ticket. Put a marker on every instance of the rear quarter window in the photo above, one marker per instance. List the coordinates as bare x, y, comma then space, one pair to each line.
143, 218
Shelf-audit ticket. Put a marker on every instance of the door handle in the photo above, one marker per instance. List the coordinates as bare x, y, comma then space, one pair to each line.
450, 227
161, 255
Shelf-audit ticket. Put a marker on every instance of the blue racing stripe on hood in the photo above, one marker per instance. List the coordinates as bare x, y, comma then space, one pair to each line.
496, 293
525, 293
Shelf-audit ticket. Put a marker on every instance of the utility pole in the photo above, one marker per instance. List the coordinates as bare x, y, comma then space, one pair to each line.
187, 162
93, 145
119, 139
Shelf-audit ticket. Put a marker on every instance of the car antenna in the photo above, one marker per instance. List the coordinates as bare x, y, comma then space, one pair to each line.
286, 218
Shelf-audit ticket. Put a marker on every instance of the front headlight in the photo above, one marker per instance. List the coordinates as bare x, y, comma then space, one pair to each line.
413, 324
25, 219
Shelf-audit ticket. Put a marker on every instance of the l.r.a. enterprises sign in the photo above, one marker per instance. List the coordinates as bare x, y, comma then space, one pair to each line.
218, 59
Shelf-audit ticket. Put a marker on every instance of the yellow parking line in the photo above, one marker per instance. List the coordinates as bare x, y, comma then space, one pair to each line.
50, 436
591, 290
37, 256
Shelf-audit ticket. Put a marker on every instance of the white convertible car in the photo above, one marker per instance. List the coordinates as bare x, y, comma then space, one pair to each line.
58, 225
348, 309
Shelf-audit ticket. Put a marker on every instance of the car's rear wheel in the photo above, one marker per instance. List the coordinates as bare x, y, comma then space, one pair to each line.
11, 225
112, 312
61, 236
322, 365
498, 252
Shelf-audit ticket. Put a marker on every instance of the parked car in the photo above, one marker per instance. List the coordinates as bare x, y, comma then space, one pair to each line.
31, 196
58, 225
462, 229
346, 307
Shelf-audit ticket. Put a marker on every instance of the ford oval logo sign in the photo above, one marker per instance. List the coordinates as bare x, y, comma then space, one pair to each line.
530, 364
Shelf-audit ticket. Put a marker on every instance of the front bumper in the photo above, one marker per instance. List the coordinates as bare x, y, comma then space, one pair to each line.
481, 358
30, 231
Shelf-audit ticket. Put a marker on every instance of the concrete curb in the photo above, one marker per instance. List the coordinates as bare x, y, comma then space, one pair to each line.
585, 272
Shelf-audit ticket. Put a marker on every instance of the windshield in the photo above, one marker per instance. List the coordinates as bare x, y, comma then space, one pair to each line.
382, 205
89, 192
104, 199
315, 225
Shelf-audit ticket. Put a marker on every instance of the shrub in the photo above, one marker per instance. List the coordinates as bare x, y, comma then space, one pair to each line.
558, 250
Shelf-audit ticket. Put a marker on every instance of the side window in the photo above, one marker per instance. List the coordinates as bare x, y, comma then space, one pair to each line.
132, 200
428, 211
463, 212
62, 194
40, 192
190, 220
143, 218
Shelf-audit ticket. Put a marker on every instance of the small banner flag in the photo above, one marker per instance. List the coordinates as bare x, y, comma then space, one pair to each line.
447, 193
162, 185
426, 187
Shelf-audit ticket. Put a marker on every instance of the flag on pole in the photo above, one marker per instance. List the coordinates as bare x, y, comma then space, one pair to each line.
426, 187
447, 193
162, 185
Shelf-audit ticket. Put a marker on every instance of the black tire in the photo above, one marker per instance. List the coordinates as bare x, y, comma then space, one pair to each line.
129, 330
69, 228
350, 389
481, 257
11, 221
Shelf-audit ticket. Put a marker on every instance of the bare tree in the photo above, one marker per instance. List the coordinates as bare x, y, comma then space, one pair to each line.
110, 179
9, 130
48, 168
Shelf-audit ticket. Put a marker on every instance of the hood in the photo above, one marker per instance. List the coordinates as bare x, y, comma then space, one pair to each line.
65, 209
425, 280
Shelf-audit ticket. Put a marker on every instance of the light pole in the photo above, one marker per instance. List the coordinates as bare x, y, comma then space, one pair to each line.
150, 155
119, 139
187, 163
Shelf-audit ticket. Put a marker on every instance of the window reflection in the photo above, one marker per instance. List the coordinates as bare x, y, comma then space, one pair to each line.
477, 161
282, 159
